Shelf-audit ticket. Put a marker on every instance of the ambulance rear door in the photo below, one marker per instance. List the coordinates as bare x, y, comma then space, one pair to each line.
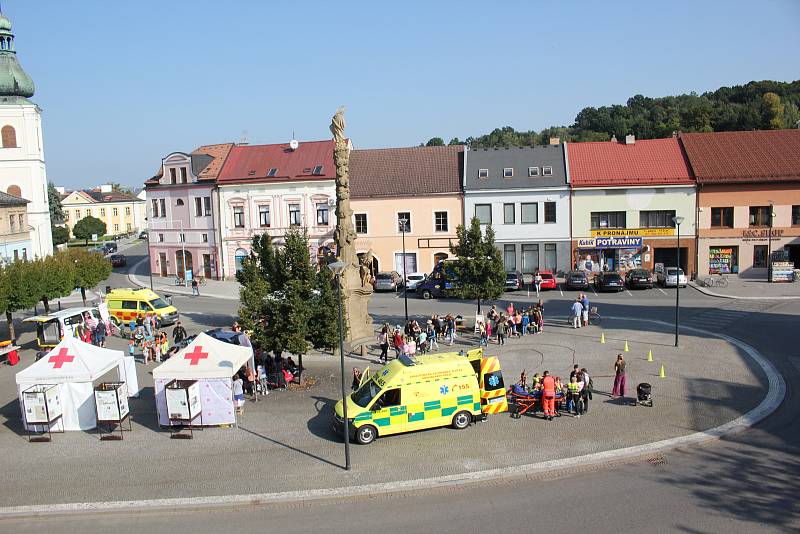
493, 389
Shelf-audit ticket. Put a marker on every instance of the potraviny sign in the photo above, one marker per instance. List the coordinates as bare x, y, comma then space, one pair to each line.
610, 242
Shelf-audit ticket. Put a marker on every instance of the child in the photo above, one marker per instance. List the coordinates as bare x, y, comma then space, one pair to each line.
482, 331
157, 351
131, 348
132, 327
525, 322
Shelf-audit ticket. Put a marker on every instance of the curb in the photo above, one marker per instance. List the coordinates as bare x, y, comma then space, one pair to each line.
771, 401
710, 293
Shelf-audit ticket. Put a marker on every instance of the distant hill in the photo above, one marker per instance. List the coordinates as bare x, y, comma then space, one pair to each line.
764, 105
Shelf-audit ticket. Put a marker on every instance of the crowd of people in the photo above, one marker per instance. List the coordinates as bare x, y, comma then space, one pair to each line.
147, 339
94, 331
549, 389
513, 322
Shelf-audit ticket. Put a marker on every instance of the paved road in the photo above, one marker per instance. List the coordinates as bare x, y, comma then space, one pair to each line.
745, 483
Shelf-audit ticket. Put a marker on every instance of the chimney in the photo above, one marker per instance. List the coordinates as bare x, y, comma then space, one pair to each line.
630, 139
106, 188
613, 139
555, 140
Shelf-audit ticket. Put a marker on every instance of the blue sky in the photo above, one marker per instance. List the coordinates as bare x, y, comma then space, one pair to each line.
122, 84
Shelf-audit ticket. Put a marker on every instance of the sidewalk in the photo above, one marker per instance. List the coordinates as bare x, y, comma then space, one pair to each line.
749, 289
226, 290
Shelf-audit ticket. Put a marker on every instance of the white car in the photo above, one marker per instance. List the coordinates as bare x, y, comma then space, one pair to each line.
413, 279
672, 277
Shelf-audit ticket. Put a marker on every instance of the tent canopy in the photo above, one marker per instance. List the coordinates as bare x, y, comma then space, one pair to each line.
71, 360
205, 357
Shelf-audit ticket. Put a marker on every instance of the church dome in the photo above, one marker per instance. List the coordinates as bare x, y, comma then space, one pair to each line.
5, 24
14, 82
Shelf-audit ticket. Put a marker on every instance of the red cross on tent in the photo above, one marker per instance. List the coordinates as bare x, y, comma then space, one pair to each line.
195, 356
61, 358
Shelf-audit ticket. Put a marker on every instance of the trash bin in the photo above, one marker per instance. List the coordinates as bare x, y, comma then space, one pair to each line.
13, 357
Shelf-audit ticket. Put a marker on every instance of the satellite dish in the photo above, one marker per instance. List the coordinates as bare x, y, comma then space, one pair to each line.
293, 144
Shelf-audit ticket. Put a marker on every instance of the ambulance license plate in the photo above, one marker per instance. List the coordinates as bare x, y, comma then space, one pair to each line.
495, 400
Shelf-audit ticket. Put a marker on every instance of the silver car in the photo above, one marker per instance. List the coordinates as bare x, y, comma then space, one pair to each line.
388, 281
672, 277
413, 279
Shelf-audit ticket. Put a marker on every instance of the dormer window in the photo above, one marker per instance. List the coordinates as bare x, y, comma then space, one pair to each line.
318, 170
533, 171
483, 173
173, 176
252, 173
272, 172
508, 172
547, 171
183, 175
307, 170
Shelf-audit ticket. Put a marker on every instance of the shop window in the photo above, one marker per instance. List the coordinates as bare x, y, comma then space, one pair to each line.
607, 219
723, 260
510, 257
508, 213
361, 223
722, 217
795, 215
656, 219
759, 256
550, 257
530, 258
484, 213
530, 212
410, 263
549, 212
759, 215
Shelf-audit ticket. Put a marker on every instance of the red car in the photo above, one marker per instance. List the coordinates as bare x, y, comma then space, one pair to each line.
548, 280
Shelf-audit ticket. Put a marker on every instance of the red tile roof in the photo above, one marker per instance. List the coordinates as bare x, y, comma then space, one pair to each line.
252, 163
219, 153
757, 156
646, 162
402, 172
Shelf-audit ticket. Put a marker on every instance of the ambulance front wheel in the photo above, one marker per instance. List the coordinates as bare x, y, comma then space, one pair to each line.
366, 434
461, 420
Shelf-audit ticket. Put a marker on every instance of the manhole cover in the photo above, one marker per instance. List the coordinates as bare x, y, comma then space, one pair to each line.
657, 460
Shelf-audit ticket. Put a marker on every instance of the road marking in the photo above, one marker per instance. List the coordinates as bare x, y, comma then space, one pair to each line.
661, 290
628, 292
593, 291
559, 290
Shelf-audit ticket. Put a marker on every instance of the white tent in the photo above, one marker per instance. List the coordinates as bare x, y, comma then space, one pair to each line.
74, 366
211, 362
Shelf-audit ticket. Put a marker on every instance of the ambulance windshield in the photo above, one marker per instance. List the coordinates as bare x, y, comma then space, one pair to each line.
364, 395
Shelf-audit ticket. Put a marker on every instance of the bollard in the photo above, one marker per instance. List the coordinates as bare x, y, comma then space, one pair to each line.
661, 373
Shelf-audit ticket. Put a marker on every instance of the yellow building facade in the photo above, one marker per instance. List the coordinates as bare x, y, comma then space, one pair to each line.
121, 212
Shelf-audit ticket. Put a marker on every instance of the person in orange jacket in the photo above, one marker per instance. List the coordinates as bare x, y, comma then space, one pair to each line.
548, 396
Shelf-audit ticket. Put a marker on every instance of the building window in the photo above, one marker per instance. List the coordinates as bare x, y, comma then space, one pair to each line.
16, 254
77, 215
263, 217
128, 226
549, 212
361, 223
508, 172
508, 214
116, 228
204, 238
114, 211
21, 221
530, 212
510, 257
172, 177
179, 202
760, 256
483, 173
66, 215
239, 257
404, 222
155, 208
160, 238
89, 212
9, 136
533, 171
163, 204
182, 237
484, 213
440, 222
407, 267
656, 219
550, 257
102, 212
722, 217
25, 254
294, 214
607, 219
12, 223
530, 258
198, 206
238, 217
207, 206
127, 211
547, 171
322, 214
795, 215
759, 215
183, 175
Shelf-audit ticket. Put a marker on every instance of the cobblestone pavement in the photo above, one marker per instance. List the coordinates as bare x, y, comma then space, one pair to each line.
285, 441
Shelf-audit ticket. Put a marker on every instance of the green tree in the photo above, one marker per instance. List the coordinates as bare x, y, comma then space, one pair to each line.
435, 141
51, 278
54, 200
455, 141
88, 226
324, 321
479, 268
773, 111
18, 293
60, 234
89, 269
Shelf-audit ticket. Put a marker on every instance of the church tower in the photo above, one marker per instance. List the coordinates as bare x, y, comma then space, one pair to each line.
22, 169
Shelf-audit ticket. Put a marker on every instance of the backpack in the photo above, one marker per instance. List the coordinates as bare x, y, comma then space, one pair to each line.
100, 329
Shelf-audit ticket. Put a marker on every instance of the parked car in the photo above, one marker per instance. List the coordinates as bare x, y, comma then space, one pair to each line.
413, 280
576, 280
641, 278
514, 280
118, 260
143, 234
110, 247
671, 277
609, 282
548, 280
388, 281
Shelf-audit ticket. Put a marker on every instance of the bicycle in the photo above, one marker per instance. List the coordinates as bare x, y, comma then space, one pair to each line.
201, 281
719, 280
594, 315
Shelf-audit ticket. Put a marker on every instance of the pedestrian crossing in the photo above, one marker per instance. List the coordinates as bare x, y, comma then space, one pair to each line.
728, 314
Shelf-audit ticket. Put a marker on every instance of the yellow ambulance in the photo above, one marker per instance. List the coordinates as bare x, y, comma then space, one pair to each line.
426, 391
125, 305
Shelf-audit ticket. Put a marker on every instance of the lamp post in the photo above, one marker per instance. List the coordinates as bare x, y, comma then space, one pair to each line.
338, 268
403, 222
677, 220
769, 242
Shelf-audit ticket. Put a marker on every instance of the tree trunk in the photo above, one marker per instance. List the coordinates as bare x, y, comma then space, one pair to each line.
83, 295
46, 304
11, 334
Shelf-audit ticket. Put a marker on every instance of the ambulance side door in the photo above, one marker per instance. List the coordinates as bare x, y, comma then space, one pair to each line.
388, 413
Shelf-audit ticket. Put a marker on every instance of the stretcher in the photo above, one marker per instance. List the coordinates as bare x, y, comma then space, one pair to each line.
521, 401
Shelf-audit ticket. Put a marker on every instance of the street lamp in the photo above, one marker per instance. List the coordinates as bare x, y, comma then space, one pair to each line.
677, 220
338, 268
403, 222
769, 242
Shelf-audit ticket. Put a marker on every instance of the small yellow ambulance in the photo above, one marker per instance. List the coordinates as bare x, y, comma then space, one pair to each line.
426, 391
125, 305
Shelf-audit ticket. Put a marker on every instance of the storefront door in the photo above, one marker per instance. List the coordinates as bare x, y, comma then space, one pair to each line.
723, 260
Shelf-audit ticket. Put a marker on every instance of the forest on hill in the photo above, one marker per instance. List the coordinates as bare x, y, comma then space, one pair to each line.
763, 105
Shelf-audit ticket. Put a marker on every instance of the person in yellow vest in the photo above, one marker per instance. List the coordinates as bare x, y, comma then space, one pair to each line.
574, 396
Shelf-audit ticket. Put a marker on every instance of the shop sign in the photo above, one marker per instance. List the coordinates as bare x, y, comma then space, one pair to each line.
618, 242
633, 232
755, 234
587, 243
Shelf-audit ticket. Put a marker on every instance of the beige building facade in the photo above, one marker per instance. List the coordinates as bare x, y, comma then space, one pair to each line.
121, 212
